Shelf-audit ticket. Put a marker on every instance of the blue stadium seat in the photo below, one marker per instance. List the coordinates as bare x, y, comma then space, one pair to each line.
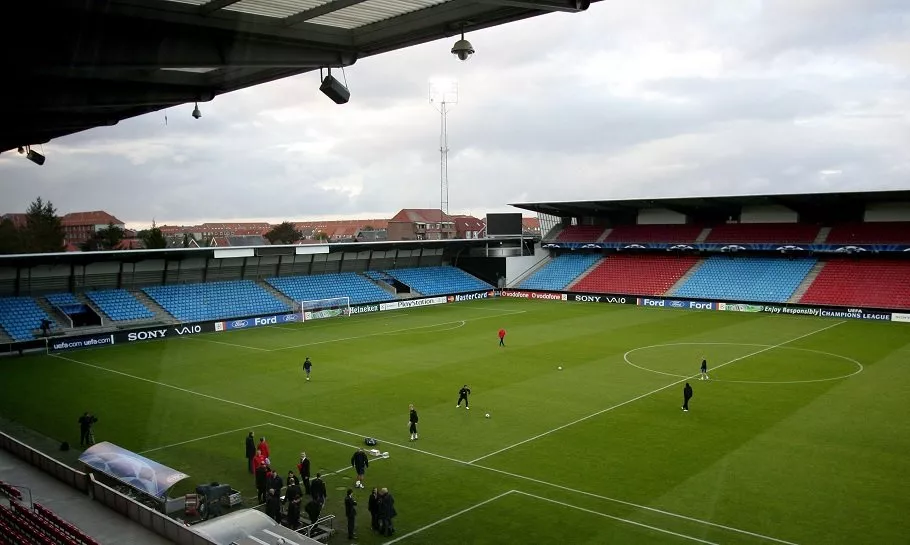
20, 316
216, 300
765, 279
119, 305
560, 272
326, 286
438, 280
62, 299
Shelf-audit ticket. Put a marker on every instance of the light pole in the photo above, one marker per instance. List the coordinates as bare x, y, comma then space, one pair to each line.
443, 96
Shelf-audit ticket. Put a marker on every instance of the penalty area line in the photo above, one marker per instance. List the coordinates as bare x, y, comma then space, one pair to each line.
203, 438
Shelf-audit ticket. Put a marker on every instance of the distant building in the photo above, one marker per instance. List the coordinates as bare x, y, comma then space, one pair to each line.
19, 220
530, 227
78, 227
469, 227
339, 230
421, 224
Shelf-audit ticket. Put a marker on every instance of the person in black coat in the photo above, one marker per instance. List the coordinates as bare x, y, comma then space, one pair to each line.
86, 421
293, 497
312, 510
250, 451
273, 504
373, 508
386, 512
687, 395
350, 511
360, 462
303, 467
318, 490
412, 422
262, 484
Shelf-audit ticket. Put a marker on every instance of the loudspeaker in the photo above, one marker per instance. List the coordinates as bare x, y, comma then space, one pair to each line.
335, 90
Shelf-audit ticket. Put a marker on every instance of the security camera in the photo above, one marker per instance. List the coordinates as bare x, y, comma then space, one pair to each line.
196, 113
463, 49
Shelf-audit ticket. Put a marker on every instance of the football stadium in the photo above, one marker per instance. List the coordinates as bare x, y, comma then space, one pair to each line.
710, 369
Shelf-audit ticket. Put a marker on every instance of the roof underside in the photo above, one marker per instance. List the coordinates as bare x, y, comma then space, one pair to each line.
72, 65
810, 207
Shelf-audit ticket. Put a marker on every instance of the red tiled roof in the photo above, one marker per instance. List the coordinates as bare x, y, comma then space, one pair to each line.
97, 217
468, 223
18, 219
530, 223
420, 215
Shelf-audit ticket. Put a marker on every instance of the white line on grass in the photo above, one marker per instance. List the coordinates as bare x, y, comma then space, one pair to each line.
199, 339
380, 333
450, 517
619, 519
652, 392
202, 438
313, 435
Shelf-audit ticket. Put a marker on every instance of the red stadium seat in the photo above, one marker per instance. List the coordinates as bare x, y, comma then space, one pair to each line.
655, 233
581, 233
890, 232
774, 233
635, 274
861, 283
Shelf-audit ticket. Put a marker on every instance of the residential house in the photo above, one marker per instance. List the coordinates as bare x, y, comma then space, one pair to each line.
78, 227
421, 224
469, 227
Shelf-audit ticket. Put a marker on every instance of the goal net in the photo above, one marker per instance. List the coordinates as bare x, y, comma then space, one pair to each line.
325, 308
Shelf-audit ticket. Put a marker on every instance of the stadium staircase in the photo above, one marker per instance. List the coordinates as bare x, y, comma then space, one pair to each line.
4, 338
822, 235
278, 295
161, 315
528, 273
582, 276
378, 278
62, 320
685, 278
703, 236
804, 286
605, 234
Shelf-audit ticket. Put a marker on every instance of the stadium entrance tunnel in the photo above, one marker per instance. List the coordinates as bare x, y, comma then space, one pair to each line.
746, 363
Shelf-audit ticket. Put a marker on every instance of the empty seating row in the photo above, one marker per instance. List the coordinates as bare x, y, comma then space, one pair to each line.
888, 232
40, 527
635, 275
62, 525
761, 279
215, 300
559, 272
655, 233
119, 305
62, 299
21, 316
580, 233
10, 491
438, 280
782, 233
866, 283
327, 286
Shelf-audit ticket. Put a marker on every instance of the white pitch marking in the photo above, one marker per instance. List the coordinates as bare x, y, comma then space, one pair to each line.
199, 339
450, 517
620, 519
202, 438
652, 392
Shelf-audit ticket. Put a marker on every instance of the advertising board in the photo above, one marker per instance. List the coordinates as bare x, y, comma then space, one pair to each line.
79, 342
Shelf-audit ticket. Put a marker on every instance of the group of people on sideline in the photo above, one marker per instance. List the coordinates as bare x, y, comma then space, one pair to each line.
299, 486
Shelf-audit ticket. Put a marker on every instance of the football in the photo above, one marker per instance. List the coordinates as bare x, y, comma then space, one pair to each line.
487, 415
560, 367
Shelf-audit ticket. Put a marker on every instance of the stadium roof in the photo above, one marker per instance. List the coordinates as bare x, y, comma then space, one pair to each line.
71, 65
810, 207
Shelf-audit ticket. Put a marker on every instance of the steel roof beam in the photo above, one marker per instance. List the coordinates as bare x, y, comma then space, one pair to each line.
324, 9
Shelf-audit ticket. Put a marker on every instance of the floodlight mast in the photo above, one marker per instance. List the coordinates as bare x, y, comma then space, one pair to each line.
443, 96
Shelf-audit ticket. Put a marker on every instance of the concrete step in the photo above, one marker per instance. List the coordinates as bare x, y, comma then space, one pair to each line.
807, 281
384, 285
684, 278
822, 235
161, 315
584, 274
63, 321
603, 236
703, 235
292, 304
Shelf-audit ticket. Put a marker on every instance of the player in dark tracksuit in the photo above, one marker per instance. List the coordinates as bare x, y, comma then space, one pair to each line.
687, 395
412, 423
463, 396
704, 369
307, 366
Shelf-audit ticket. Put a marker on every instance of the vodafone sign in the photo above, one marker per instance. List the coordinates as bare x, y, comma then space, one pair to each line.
534, 295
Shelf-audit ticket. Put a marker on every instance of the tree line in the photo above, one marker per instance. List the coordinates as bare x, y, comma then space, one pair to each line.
42, 232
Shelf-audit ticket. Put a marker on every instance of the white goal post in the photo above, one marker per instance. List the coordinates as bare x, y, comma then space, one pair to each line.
324, 308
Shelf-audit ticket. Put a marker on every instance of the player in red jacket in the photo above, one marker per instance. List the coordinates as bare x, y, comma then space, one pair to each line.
502, 337
263, 447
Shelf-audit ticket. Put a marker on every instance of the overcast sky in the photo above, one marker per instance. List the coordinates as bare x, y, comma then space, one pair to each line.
633, 98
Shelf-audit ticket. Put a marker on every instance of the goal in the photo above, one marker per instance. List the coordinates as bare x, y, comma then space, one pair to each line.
325, 308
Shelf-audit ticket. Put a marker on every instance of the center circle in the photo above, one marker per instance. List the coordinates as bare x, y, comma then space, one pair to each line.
767, 348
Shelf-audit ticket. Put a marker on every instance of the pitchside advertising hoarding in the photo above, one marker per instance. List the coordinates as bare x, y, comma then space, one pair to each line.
574, 297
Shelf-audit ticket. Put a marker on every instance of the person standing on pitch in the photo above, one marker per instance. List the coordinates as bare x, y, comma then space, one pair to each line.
86, 421
412, 423
463, 396
360, 462
303, 467
704, 369
502, 337
350, 510
307, 365
687, 395
250, 451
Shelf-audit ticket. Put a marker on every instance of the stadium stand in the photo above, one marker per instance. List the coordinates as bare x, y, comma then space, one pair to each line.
41, 526
326, 286
560, 272
635, 274
119, 305
62, 299
866, 283
20, 316
765, 279
780, 233
655, 233
891, 232
215, 300
580, 233
438, 280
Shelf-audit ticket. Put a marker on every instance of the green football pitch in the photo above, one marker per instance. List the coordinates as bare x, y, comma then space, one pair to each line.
801, 436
